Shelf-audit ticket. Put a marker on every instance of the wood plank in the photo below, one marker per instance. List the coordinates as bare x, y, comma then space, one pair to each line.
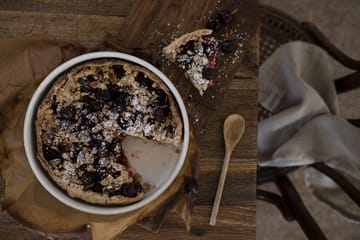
78, 7
242, 101
239, 185
234, 222
86, 30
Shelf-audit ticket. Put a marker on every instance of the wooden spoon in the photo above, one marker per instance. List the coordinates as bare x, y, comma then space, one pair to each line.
234, 127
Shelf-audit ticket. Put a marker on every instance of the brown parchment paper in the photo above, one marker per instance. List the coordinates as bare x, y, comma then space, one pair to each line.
23, 64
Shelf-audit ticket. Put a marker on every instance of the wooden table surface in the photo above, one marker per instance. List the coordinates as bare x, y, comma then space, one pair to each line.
87, 22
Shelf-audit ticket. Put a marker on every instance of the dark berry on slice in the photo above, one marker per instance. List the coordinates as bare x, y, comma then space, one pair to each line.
76, 148
120, 101
97, 188
189, 47
143, 80
213, 24
227, 46
103, 151
88, 178
54, 105
129, 189
123, 123
90, 104
161, 114
86, 124
119, 71
83, 167
162, 98
112, 191
101, 173
50, 153
170, 130
102, 95
114, 143
113, 172
208, 73
225, 16
67, 113
151, 121
85, 83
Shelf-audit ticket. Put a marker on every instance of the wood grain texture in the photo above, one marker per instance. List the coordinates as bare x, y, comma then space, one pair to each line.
85, 30
76, 7
87, 24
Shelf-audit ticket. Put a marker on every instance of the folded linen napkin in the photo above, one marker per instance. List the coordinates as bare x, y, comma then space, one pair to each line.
296, 85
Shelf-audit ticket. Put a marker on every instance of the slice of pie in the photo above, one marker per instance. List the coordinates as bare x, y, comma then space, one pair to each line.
84, 118
195, 54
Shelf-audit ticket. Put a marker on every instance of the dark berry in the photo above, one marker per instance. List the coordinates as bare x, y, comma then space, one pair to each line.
86, 124
50, 153
96, 140
189, 46
67, 113
130, 189
225, 16
54, 105
88, 178
103, 151
90, 104
113, 172
99, 71
210, 46
101, 173
227, 46
123, 123
208, 73
114, 191
119, 71
85, 84
162, 98
61, 147
102, 95
113, 90
76, 148
170, 129
83, 167
161, 114
120, 101
213, 24
143, 80
97, 188
114, 143
151, 121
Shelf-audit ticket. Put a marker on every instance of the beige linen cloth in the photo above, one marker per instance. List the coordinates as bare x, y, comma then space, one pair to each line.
296, 84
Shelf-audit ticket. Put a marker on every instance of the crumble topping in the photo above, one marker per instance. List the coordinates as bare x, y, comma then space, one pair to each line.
195, 54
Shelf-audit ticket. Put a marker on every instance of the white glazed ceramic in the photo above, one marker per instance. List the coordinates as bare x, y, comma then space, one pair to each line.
158, 164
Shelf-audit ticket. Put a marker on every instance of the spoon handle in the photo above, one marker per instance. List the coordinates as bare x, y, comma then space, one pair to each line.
220, 187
